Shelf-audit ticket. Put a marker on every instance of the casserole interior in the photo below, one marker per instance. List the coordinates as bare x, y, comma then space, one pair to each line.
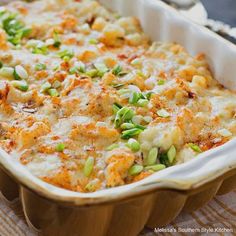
169, 26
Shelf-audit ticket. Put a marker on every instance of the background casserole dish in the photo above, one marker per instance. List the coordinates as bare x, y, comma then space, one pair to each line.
158, 199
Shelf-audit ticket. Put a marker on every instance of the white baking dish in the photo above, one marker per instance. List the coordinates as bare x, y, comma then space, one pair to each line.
216, 166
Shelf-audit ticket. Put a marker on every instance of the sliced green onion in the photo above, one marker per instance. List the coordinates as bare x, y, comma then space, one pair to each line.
147, 119
148, 95
171, 154
60, 147
124, 93
7, 72
140, 73
93, 41
66, 54
195, 147
117, 70
73, 70
135, 170
57, 41
14, 28
116, 107
133, 144
137, 119
20, 73
79, 67
92, 73
40, 48
56, 84
91, 186
136, 62
53, 92
156, 167
140, 127
142, 102
117, 85
151, 158
123, 115
163, 113
131, 133
1, 64
164, 159
127, 126
40, 66
112, 146
161, 82
135, 96
101, 68
21, 85
45, 87
88, 167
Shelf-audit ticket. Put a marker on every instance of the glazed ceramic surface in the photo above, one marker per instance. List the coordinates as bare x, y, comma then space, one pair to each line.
156, 200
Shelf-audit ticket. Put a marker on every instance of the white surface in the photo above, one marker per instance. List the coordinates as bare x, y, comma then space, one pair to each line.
160, 22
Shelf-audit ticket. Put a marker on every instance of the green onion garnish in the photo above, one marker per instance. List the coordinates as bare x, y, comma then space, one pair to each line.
60, 147
14, 28
40, 48
163, 113
135, 96
126, 126
21, 85
195, 147
135, 170
66, 54
101, 68
20, 73
40, 66
112, 146
92, 73
93, 41
156, 167
171, 154
131, 133
133, 144
117, 70
7, 72
88, 167
56, 84
45, 87
57, 41
142, 102
161, 82
123, 115
1, 64
53, 92
116, 107
151, 158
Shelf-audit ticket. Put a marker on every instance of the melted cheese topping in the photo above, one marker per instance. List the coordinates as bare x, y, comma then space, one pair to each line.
78, 67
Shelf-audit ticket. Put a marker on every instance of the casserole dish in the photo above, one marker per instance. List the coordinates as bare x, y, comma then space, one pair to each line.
57, 211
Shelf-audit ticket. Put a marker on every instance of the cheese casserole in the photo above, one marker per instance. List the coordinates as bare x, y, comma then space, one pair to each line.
87, 102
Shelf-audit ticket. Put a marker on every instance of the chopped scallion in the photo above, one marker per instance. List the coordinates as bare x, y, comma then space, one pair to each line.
40, 66
135, 170
21, 85
195, 147
60, 147
53, 92
151, 157
156, 167
163, 113
112, 146
171, 154
133, 144
88, 167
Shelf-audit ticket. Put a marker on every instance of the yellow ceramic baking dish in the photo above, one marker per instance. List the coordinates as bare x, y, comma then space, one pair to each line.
156, 200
